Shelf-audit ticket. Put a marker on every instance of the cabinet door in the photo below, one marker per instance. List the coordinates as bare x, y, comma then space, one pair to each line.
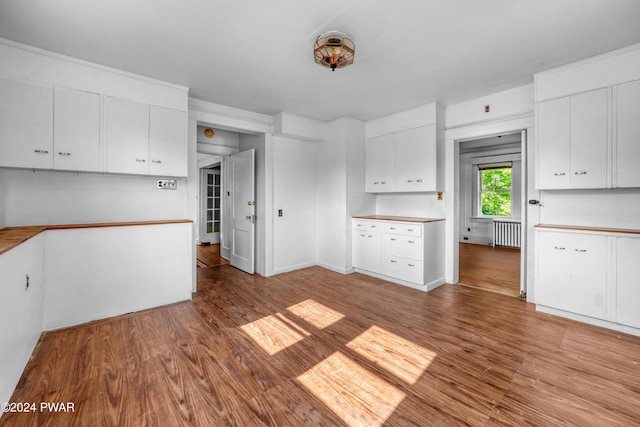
367, 250
167, 142
409, 270
589, 140
380, 164
76, 130
628, 135
20, 309
127, 136
628, 285
554, 120
588, 275
553, 283
416, 159
26, 124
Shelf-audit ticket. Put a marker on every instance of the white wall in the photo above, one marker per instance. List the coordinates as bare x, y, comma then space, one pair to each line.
47, 197
424, 205
331, 197
614, 208
294, 234
3, 196
340, 191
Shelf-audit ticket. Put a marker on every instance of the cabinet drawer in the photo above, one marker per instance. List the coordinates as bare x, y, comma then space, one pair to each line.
408, 229
404, 269
403, 246
366, 225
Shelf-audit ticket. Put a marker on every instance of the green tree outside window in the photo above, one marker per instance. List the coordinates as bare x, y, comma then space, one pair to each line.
495, 195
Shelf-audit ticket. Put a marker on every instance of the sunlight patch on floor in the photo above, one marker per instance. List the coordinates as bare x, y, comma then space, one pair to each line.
317, 314
357, 396
274, 333
399, 356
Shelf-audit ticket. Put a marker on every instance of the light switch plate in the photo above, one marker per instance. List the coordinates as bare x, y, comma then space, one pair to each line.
167, 184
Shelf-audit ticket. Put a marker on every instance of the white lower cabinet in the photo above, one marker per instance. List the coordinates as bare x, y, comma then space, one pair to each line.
21, 299
627, 283
408, 252
367, 250
591, 274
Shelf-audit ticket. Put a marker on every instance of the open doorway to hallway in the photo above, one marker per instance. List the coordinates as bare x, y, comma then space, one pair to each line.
490, 213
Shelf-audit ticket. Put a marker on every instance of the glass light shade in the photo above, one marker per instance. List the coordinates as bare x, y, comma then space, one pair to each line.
334, 49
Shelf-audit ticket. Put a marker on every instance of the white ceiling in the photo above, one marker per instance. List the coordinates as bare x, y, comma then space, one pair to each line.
257, 54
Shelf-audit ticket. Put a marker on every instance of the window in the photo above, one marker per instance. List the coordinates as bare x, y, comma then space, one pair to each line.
495, 189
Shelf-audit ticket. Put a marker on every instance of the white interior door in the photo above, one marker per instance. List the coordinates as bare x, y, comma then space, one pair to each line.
242, 188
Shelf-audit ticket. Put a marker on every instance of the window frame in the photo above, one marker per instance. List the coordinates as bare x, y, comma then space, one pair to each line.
478, 169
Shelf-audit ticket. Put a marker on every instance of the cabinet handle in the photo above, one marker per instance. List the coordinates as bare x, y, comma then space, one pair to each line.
411, 241
156, 161
409, 229
370, 235
393, 239
363, 235
393, 261
559, 174
41, 151
141, 160
60, 153
376, 183
374, 226
418, 180
359, 225
409, 180
411, 265
580, 250
559, 248
580, 173
383, 182
392, 228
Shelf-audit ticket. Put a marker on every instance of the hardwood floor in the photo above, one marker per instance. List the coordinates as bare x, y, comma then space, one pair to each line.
209, 256
314, 347
487, 267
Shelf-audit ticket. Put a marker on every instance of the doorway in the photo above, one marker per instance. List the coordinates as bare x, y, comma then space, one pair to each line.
490, 212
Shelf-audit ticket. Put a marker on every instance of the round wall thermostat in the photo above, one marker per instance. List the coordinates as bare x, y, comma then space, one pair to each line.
208, 133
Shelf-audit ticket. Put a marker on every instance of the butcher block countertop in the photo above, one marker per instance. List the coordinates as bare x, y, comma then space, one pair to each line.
580, 228
11, 237
398, 218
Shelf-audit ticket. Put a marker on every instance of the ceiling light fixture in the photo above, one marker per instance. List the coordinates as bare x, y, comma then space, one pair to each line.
334, 49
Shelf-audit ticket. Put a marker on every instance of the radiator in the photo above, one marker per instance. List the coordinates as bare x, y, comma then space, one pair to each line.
506, 232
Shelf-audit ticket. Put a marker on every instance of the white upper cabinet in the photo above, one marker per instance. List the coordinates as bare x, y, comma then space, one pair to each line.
145, 139
380, 164
167, 147
26, 124
589, 140
628, 135
416, 159
405, 161
76, 130
572, 141
127, 136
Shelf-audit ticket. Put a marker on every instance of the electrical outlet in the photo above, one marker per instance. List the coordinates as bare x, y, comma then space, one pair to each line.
167, 184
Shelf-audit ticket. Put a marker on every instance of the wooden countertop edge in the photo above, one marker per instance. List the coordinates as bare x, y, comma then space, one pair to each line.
396, 218
11, 237
580, 228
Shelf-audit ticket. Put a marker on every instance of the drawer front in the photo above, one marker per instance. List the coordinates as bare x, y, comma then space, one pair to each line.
404, 246
405, 269
404, 229
363, 224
